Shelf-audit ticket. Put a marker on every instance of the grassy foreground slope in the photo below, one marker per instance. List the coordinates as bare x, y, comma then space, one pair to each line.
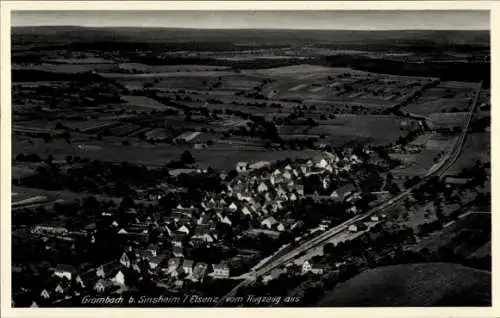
413, 285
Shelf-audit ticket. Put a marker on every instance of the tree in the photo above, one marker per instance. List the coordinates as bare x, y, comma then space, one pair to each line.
127, 203
187, 157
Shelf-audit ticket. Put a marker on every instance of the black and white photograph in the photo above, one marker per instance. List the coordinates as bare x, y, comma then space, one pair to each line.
251, 158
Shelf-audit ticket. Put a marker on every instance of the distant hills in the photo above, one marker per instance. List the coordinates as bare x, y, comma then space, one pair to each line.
60, 34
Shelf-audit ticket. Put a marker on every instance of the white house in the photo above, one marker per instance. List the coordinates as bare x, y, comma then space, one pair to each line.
259, 165
326, 183
334, 195
183, 229
226, 220
100, 272
233, 207
322, 163
242, 166
100, 286
269, 222
135, 267
122, 231
125, 260
280, 192
64, 271
262, 187
221, 270
374, 218
287, 175
355, 159
292, 197
272, 179
306, 267
353, 228
187, 267
119, 279
59, 289
246, 211
173, 264
353, 210
45, 294
280, 227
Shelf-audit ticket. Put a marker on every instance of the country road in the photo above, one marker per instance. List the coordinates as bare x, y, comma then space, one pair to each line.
325, 236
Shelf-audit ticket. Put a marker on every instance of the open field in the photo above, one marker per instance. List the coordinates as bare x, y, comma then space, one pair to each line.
348, 127
417, 164
409, 285
168, 74
21, 171
143, 102
143, 68
446, 97
447, 120
221, 155
369, 90
477, 147
363, 126
66, 68
301, 71
450, 235
418, 216
483, 251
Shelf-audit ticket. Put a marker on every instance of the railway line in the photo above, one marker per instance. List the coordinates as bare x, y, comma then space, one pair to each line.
391, 203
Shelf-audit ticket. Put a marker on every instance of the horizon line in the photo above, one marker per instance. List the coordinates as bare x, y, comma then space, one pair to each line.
234, 29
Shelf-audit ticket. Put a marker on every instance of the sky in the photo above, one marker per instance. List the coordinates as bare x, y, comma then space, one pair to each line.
318, 20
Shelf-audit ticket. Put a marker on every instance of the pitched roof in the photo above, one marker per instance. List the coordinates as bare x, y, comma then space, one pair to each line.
271, 220
65, 268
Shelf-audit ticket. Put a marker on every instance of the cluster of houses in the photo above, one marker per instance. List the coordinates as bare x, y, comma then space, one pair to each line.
257, 194
263, 192
111, 278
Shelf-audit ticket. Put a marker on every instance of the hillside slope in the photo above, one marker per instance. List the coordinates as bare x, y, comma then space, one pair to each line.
413, 285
